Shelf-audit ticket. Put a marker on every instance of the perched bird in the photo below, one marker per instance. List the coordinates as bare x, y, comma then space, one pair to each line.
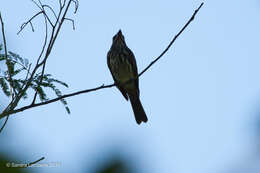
122, 65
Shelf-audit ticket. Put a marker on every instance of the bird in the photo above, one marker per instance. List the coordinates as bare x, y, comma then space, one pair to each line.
122, 65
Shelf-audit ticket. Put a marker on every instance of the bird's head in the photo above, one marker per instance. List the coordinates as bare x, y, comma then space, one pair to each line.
119, 39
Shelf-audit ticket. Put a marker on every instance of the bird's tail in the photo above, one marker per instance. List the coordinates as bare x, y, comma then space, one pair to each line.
138, 109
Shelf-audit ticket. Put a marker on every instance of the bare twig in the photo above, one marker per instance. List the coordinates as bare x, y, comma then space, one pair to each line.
50, 45
41, 7
32, 163
72, 21
57, 31
51, 10
10, 81
36, 4
6, 119
32, 26
29, 22
42, 51
23, 66
54, 35
173, 40
76, 2
62, 4
59, 98
28, 72
102, 86
47, 17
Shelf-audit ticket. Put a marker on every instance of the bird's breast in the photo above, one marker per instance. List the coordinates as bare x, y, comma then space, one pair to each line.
122, 69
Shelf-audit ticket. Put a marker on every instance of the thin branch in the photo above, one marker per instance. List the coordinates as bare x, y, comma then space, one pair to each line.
32, 163
49, 20
59, 98
173, 40
42, 73
43, 48
28, 72
41, 7
40, 2
102, 86
60, 3
29, 21
45, 41
51, 42
32, 26
27, 75
7, 117
51, 10
10, 81
72, 21
36, 4
23, 66
58, 30
54, 35
76, 2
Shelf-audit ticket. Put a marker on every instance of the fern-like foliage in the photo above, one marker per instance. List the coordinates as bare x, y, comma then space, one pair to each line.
46, 81
17, 74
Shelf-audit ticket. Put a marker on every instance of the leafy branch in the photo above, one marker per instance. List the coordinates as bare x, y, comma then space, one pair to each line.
33, 78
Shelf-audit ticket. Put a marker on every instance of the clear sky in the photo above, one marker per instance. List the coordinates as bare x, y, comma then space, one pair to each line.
202, 98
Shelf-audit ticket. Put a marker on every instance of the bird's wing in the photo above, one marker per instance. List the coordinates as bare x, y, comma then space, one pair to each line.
132, 61
124, 93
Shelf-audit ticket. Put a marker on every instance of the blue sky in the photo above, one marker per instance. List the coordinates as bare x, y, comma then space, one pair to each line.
201, 98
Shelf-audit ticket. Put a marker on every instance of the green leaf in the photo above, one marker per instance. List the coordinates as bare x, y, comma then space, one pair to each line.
16, 57
26, 62
67, 109
63, 101
58, 81
17, 71
17, 85
2, 57
4, 86
47, 82
40, 91
10, 66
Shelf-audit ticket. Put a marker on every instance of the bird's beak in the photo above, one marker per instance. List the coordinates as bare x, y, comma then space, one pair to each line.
119, 34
